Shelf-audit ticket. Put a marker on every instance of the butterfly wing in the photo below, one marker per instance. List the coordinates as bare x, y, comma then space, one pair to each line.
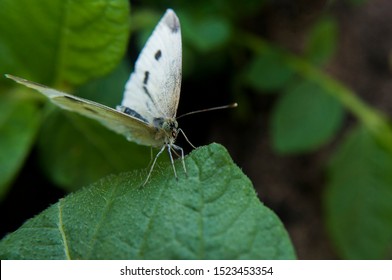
133, 128
153, 89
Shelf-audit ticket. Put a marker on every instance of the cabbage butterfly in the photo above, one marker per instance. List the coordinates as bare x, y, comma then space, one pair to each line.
147, 114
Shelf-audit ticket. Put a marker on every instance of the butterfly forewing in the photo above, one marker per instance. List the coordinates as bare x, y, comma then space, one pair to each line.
134, 129
153, 89
149, 106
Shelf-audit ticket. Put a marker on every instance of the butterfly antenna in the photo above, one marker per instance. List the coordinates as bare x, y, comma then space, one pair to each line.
186, 138
233, 105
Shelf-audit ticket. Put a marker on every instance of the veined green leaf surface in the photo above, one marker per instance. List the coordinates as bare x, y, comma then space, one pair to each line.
212, 213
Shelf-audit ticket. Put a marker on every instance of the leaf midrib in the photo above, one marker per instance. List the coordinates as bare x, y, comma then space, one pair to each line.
62, 231
61, 50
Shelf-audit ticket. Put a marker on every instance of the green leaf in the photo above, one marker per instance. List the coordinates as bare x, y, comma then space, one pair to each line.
268, 72
305, 118
19, 122
322, 41
206, 33
108, 90
358, 198
64, 43
75, 151
213, 213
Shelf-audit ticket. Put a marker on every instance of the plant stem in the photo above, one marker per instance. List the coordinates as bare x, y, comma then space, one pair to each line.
375, 121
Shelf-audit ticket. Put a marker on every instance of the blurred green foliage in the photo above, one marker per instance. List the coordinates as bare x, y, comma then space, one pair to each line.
300, 112
268, 72
18, 127
358, 199
64, 44
78, 46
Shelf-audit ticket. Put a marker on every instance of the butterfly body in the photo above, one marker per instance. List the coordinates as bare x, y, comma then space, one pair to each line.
147, 114
165, 129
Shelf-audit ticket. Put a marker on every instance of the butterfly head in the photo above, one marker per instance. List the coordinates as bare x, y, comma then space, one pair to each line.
169, 127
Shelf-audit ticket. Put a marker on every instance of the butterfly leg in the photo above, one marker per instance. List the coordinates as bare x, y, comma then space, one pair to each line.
171, 160
153, 164
151, 157
174, 151
182, 157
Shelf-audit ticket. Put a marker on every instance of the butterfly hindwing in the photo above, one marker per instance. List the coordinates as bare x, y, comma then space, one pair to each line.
153, 89
133, 128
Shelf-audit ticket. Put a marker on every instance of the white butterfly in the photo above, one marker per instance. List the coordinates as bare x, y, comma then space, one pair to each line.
147, 114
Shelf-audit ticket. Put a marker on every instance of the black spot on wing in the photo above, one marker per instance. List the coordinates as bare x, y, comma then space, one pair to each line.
149, 95
84, 104
72, 98
158, 55
148, 106
132, 113
146, 75
91, 110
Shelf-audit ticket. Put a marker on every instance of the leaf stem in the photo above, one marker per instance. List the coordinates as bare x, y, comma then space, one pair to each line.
375, 121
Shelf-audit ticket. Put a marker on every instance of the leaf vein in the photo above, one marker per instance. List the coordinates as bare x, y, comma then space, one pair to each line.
62, 231
100, 222
149, 223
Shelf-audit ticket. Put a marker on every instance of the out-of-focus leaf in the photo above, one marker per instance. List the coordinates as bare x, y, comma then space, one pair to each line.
60, 42
358, 198
322, 41
76, 151
213, 213
268, 72
305, 118
206, 33
108, 90
19, 122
